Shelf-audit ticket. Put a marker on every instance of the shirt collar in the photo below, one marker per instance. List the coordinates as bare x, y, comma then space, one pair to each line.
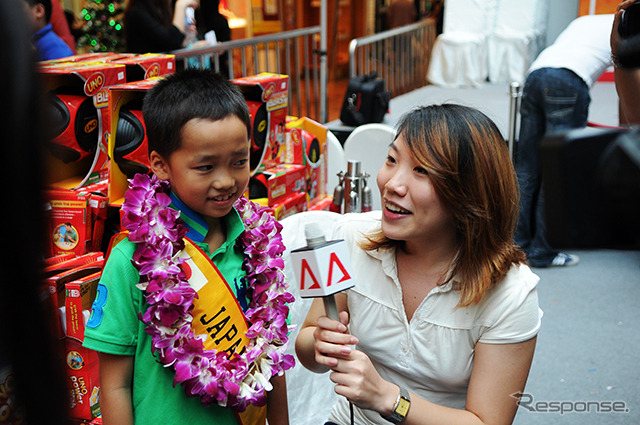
42, 31
387, 256
197, 225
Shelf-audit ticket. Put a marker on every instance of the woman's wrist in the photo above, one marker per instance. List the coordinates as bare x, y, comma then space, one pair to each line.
389, 400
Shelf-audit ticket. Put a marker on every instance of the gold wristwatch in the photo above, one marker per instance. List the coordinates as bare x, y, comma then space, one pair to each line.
401, 408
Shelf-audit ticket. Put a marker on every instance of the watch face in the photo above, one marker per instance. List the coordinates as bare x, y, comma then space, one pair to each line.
403, 407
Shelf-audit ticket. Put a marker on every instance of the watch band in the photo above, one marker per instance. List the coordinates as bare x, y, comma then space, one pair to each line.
401, 408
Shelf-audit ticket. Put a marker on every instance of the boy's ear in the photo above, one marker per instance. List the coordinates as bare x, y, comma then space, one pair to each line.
39, 11
159, 165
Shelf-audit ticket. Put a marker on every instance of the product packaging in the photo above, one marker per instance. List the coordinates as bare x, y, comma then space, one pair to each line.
76, 102
128, 148
307, 145
267, 96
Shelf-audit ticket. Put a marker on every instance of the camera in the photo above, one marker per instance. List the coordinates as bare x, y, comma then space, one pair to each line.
630, 21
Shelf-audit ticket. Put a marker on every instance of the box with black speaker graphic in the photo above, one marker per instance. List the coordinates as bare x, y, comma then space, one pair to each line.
278, 183
267, 96
306, 144
147, 65
128, 148
76, 103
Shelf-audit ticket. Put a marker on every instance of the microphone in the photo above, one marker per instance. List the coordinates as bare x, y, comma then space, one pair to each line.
322, 268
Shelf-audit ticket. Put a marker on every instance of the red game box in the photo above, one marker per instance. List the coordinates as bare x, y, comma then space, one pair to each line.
307, 145
128, 150
69, 220
79, 296
77, 97
267, 96
148, 65
83, 380
282, 182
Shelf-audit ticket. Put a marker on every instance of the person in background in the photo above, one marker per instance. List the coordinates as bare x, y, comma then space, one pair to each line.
626, 57
400, 13
208, 20
444, 315
60, 25
154, 26
555, 97
46, 42
74, 25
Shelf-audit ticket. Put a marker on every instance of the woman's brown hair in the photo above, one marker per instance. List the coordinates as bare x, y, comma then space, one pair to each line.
470, 168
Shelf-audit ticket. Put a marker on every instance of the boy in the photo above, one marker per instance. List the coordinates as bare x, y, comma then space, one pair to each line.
47, 43
198, 128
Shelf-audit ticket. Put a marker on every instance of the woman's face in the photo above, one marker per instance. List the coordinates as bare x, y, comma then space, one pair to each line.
411, 209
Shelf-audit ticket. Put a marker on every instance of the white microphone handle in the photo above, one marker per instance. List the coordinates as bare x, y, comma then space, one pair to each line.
331, 308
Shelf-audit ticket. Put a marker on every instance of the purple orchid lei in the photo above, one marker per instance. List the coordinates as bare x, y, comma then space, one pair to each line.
209, 374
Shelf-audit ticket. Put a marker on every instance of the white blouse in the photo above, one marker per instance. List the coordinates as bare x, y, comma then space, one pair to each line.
431, 356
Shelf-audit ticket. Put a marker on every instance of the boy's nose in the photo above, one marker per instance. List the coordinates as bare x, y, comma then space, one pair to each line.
223, 180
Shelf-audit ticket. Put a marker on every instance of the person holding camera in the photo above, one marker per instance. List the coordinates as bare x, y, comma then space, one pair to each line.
625, 53
555, 97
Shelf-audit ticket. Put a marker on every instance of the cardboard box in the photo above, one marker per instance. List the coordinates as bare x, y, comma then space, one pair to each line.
78, 97
292, 205
148, 65
280, 182
79, 296
129, 155
321, 204
307, 145
53, 266
83, 380
58, 281
55, 284
57, 259
69, 220
267, 96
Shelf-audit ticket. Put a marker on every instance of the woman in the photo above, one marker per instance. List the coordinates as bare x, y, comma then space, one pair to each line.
445, 313
153, 26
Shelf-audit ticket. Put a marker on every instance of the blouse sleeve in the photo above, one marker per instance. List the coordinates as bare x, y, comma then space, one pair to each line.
510, 312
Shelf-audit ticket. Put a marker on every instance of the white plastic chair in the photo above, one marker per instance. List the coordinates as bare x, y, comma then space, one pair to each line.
517, 39
459, 55
311, 396
369, 143
335, 161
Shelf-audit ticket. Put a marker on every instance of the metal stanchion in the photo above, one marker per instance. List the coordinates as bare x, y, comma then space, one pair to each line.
514, 109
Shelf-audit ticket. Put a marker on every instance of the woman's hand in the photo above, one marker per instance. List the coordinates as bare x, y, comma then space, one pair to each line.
332, 340
357, 379
352, 370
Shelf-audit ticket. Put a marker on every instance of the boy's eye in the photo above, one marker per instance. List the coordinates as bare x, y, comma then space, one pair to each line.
204, 167
391, 159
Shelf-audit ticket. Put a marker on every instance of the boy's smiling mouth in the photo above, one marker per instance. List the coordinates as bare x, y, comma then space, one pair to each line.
222, 198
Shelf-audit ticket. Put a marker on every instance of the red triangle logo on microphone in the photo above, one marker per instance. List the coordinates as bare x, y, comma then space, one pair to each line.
307, 273
335, 261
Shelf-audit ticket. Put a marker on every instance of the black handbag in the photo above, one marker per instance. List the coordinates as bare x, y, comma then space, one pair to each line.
366, 100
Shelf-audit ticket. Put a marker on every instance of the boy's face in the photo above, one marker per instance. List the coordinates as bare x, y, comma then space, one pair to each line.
210, 170
35, 15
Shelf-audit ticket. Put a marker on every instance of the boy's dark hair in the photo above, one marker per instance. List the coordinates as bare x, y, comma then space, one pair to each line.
47, 7
183, 96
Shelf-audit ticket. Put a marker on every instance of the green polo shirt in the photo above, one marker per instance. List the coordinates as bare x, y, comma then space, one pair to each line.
114, 328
